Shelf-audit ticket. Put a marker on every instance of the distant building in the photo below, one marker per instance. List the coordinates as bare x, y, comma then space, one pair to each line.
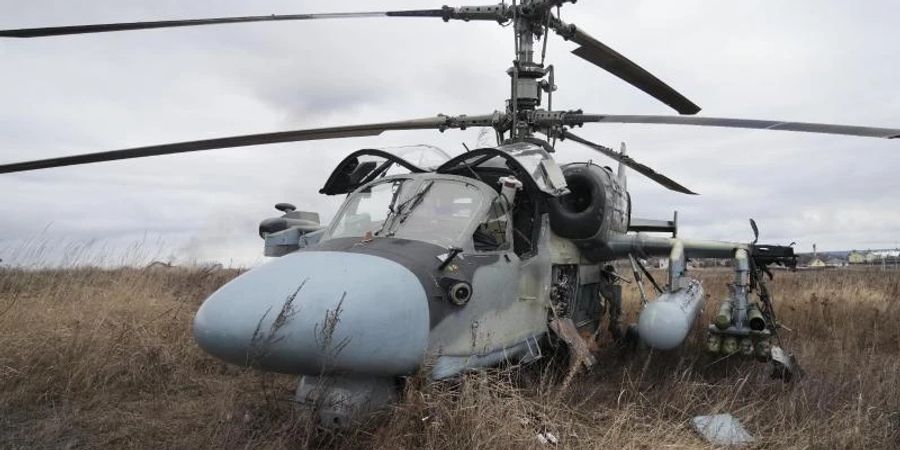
856, 257
816, 262
836, 262
886, 257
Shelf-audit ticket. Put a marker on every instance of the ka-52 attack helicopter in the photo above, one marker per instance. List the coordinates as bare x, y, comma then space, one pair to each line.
450, 264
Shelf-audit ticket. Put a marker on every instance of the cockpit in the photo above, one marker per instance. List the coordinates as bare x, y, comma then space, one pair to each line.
419, 193
441, 210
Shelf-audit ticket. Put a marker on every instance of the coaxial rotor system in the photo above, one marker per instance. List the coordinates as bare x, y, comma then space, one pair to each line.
522, 117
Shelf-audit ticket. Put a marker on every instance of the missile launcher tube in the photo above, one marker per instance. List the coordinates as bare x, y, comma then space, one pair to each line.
741, 288
723, 318
756, 319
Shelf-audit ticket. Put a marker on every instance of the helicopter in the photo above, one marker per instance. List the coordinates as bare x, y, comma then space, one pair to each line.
448, 264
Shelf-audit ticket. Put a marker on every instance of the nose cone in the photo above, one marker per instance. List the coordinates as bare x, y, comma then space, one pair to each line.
315, 312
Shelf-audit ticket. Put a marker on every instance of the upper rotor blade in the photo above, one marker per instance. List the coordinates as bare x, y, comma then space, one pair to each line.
632, 164
849, 130
107, 27
374, 129
613, 62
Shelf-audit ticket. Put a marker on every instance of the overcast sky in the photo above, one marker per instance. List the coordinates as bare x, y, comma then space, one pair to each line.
814, 60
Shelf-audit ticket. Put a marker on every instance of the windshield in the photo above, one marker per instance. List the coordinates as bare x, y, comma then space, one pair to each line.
435, 211
365, 211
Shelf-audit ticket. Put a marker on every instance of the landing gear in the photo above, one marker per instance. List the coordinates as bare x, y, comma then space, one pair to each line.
611, 291
578, 311
342, 400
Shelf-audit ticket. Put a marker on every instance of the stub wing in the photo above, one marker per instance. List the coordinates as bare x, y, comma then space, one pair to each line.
642, 245
645, 246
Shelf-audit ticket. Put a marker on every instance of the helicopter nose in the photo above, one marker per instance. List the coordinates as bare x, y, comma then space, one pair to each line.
319, 312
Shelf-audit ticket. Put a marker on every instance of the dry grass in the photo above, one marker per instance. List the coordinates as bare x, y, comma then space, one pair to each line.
104, 358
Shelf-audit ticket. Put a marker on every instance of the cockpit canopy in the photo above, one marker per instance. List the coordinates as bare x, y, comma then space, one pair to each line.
528, 162
441, 210
455, 204
367, 165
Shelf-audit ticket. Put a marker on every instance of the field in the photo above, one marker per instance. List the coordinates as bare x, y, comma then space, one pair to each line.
104, 358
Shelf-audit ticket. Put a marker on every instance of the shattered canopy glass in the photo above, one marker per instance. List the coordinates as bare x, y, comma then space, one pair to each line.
435, 211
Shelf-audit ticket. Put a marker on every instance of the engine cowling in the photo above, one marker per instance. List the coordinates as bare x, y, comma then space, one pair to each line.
596, 205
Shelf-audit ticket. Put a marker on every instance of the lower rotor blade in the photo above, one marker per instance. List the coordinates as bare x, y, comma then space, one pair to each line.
646, 171
107, 27
615, 63
438, 123
848, 130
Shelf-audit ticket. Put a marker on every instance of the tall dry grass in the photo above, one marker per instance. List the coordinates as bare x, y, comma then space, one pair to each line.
104, 358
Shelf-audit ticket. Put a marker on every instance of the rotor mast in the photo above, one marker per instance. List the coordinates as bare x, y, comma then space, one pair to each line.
531, 19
